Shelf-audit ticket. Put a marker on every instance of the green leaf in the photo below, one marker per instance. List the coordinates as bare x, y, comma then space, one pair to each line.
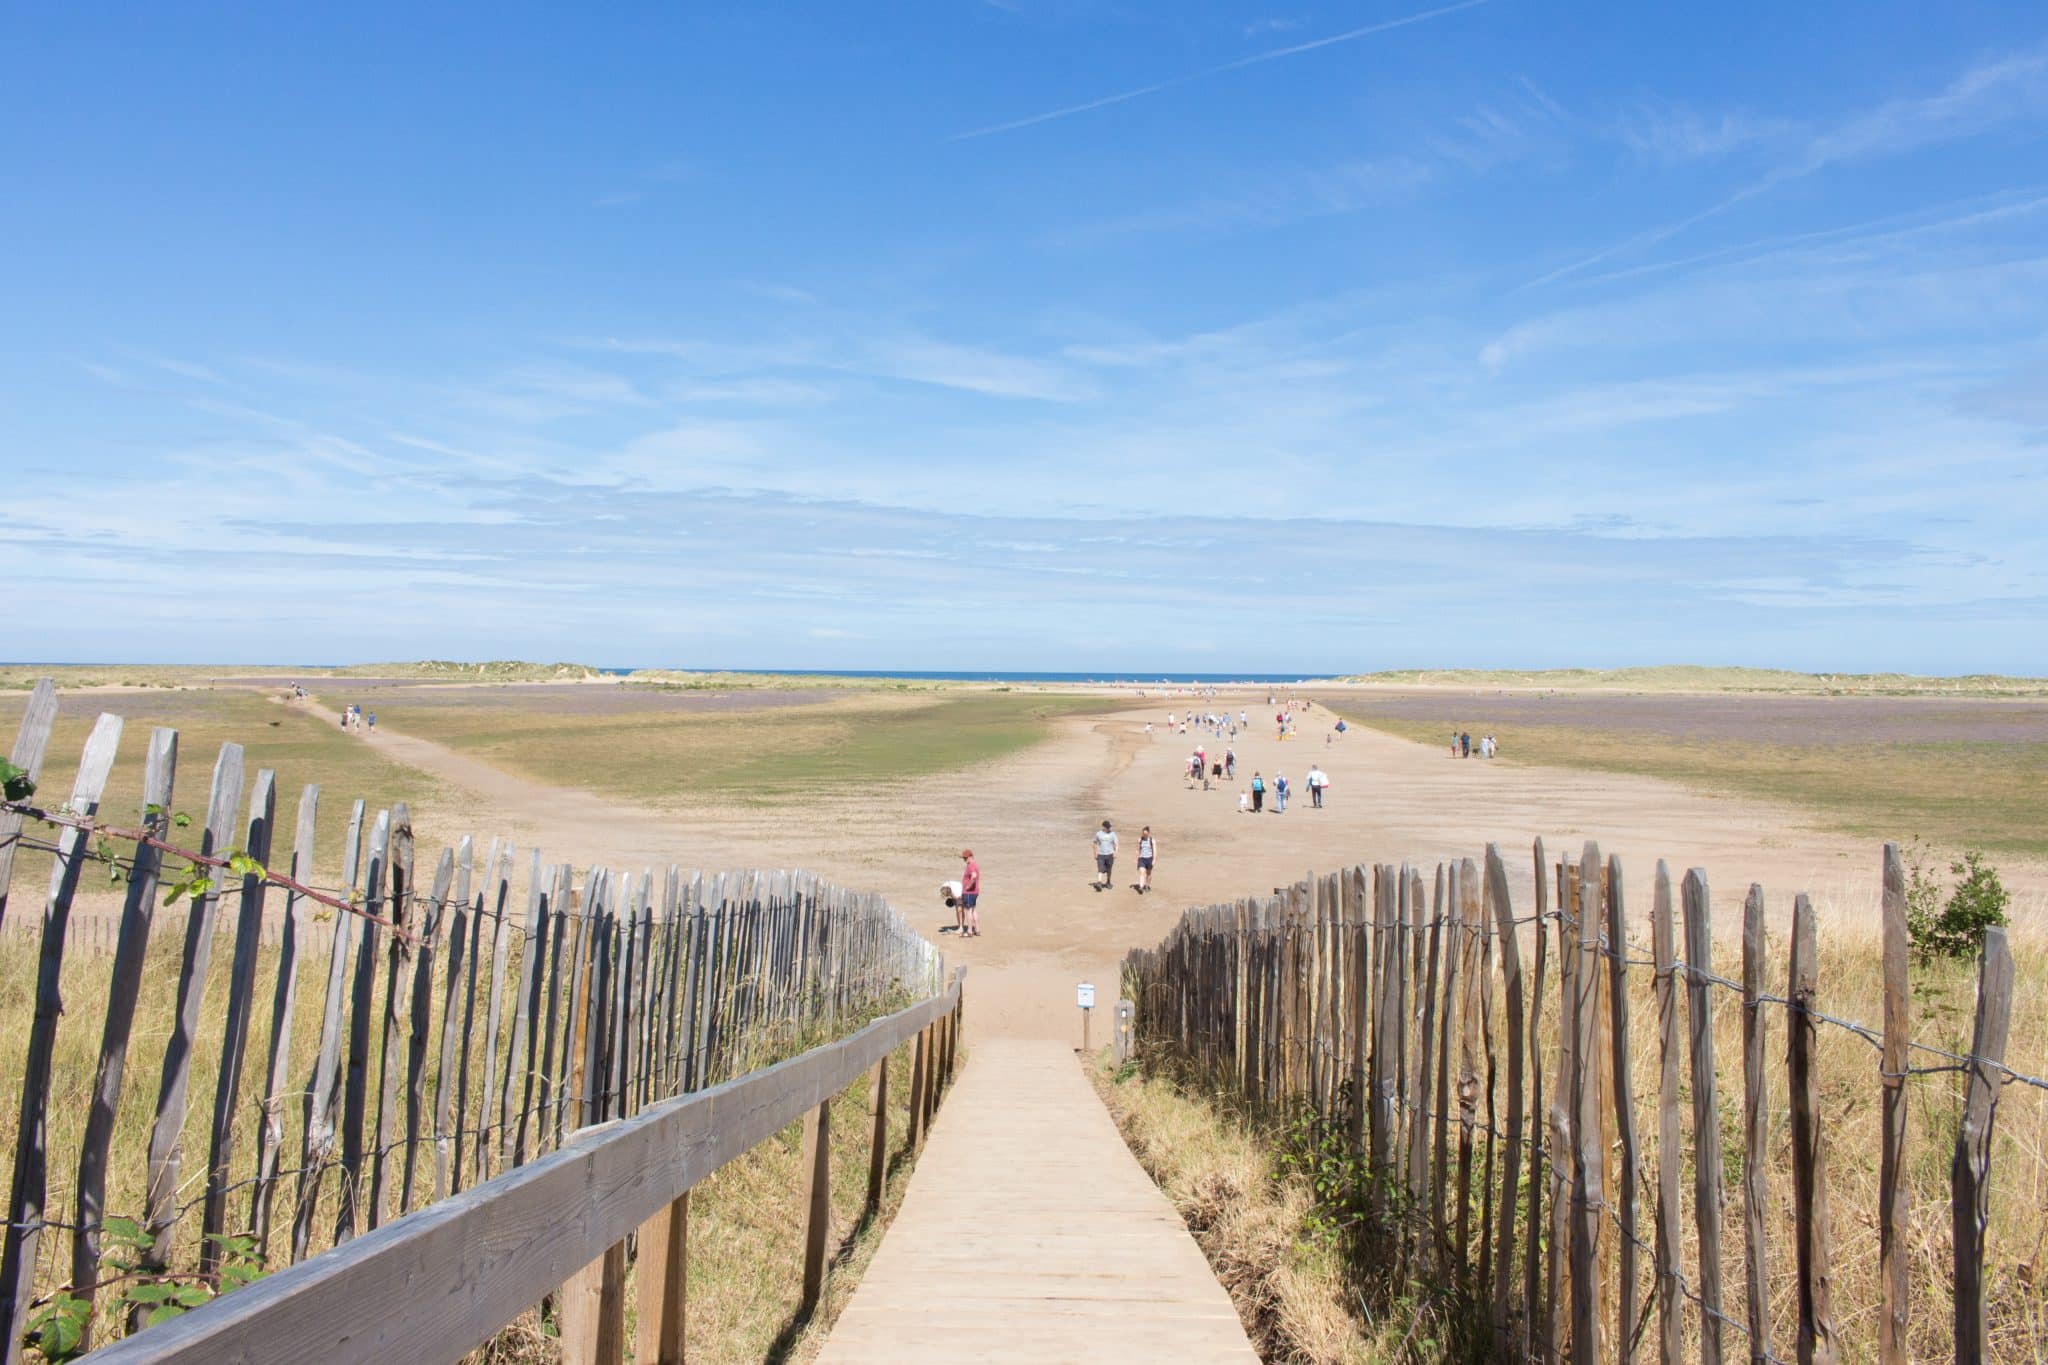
163, 1313
191, 1295
126, 1232
175, 890
160, 1291
59, 1330
180, 819
242, 865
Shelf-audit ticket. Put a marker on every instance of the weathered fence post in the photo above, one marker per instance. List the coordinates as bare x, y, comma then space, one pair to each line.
661, 1283
817, 1161
1706, 1130
1970, 1174
1816, 1340
1664, 948
1892, 1206
1756, 1292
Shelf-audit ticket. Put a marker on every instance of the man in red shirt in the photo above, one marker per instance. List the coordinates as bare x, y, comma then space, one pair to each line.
970, 892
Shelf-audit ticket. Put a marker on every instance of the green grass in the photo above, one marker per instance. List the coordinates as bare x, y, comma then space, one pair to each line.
1950, 794
1705, 678
297, 742
762, 755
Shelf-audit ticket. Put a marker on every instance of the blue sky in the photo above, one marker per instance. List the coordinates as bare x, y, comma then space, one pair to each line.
1035, 334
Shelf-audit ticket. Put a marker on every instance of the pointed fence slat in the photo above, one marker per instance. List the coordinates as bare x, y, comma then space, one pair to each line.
29, 1185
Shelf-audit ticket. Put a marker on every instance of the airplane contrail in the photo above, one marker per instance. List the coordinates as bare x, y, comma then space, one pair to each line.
1242, 62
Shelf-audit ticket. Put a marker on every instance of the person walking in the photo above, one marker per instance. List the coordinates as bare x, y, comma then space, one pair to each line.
1465, 744
1258, 793
1148, 850
970, 894
1317, 780
1279, 793
1230, 763
373, 720
1105, 855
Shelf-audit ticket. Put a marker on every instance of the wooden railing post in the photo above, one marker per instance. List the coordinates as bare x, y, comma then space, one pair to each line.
878, 1148
918, 1066
661, 1281
594, 1311
817, 1159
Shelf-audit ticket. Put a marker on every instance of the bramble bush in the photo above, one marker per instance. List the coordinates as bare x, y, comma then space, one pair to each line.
1953, 929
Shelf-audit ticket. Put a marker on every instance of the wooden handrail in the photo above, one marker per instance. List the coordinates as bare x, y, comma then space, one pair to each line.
442, 1281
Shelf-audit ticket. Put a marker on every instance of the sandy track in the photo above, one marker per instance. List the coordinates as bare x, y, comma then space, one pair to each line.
1029, 817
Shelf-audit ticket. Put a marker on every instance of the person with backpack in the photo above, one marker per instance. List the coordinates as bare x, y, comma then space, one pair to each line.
1148, 850
1258, 793
1279, 793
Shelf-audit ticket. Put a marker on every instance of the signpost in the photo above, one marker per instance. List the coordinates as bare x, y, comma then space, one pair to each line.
1084, 996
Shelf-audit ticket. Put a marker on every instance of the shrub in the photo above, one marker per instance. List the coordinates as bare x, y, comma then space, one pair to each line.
1955, 929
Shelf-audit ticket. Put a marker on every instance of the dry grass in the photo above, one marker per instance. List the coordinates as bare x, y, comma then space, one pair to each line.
767, 756
1292, 1289
298, 743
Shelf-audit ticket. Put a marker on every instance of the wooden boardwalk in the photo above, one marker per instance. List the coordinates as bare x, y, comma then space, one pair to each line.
1030, 1233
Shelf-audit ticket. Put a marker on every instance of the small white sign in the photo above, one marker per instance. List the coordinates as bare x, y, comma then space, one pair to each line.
1085, 995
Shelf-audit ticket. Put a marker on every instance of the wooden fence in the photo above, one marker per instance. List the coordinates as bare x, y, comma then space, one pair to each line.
1503, 1159
446, 1032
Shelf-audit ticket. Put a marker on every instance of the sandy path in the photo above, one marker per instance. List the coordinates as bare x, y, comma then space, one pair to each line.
1029, 817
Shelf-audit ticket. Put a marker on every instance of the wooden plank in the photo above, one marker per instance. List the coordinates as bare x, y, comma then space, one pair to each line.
322, 1090
283, 1003
227, 1090
1427, 940
1469, 926
456, 951
1541, 1322
1510, 1321
421, 1021
1706, 1129
447, 1278
1664, 947
1893, 1205
1755, 1127
467, 1048
919, 1079
1624, 1097
817, 1169
1588, 1157
555, 922
123, 987
362, 1003
28, 1186
1970, 1173
397, 951
165, 1150
31, 739
1439, 1166
661, 1284
498, 895
519, 1054
1812, 1231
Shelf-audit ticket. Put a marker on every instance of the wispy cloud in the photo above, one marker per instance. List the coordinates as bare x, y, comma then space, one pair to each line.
1982, 97
1273, 55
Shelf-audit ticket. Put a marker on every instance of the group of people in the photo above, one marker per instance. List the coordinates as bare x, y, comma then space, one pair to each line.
1462, 745
1252, 800
1204, 770
355, 718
